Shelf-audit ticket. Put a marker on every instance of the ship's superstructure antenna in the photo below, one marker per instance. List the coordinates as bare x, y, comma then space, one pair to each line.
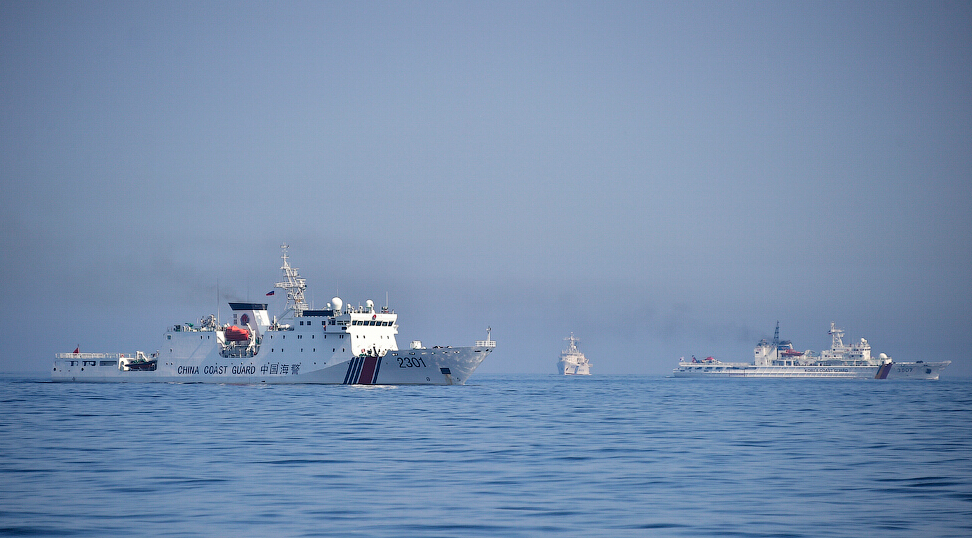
572, 342
776, 340
837, 335
293, 283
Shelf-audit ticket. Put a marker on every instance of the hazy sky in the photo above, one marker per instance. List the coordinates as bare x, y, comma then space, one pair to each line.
662, 179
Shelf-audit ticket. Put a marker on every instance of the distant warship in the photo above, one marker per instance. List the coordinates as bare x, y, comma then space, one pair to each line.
572, 361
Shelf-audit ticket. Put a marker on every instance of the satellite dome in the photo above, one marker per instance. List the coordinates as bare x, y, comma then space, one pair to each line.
338, 304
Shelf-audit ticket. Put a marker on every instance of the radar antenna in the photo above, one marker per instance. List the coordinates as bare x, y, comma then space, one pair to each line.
294, 284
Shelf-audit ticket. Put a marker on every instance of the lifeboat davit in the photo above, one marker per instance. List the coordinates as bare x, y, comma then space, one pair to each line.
237, 334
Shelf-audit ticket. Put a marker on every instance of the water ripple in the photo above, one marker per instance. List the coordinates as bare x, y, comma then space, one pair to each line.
505, 456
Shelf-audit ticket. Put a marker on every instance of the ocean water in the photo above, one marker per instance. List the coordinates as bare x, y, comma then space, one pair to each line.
503, 456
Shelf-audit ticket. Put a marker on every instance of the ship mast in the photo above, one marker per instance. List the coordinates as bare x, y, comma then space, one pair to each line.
294, 284
776, 341
837, 336
572, 343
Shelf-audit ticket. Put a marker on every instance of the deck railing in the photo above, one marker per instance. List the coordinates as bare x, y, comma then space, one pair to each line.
82, 356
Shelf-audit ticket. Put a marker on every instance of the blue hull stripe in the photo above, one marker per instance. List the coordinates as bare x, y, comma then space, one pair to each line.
347, 376
374, 379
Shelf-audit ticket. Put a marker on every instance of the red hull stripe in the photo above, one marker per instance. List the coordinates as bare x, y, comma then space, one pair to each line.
368, 371
362, 371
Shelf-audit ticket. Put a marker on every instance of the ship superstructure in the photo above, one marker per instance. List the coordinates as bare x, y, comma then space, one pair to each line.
339, 344
778, 358
572, 361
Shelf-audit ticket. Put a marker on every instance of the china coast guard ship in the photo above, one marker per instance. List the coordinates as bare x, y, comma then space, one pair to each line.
572, 361
777, 358
340, 344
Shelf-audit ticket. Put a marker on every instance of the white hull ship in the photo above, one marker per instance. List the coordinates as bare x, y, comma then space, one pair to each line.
337, 345
572, 361
777, 358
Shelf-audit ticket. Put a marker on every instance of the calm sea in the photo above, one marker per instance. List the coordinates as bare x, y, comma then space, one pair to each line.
503, 456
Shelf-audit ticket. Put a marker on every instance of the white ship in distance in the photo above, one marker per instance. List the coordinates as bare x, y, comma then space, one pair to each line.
777, 358
340, 344
572, 361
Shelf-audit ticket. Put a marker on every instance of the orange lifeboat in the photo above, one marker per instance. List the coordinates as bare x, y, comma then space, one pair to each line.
237, 334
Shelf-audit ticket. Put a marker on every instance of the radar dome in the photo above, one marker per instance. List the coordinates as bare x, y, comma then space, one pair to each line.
338, 304
370, 304
882, 356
